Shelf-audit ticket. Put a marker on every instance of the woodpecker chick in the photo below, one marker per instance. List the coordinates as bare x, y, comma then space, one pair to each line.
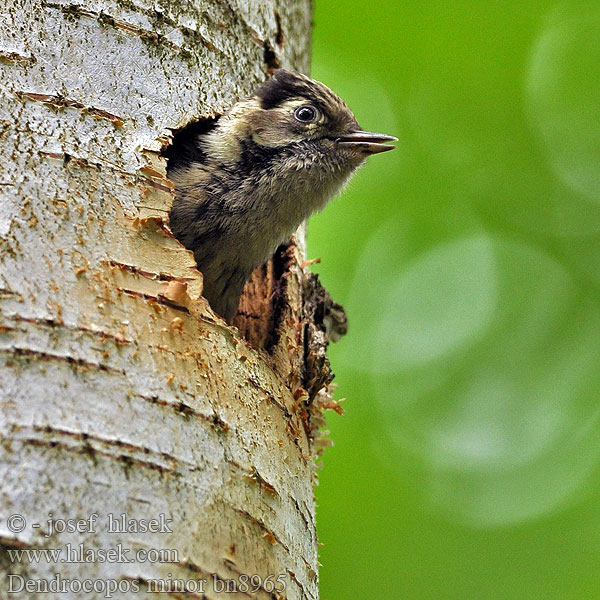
245, 186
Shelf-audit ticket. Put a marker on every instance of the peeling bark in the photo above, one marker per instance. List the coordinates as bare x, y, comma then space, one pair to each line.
121, 391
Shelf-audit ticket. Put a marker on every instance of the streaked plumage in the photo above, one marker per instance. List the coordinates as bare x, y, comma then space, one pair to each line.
245, 183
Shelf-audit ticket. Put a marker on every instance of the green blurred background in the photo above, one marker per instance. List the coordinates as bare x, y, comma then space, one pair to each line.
467, 464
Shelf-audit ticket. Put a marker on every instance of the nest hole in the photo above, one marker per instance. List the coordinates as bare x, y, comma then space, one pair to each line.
184, 149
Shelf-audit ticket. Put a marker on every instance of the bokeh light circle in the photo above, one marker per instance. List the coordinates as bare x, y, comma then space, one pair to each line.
441, 301
506, 425
563, 99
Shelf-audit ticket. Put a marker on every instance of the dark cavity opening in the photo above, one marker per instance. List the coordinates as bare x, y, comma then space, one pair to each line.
270, 58
184, 149
279, 39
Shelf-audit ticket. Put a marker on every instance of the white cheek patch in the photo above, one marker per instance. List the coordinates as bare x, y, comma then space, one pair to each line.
273, 128
222, 143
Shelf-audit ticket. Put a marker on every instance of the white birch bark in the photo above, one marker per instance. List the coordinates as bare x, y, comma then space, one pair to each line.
121, 392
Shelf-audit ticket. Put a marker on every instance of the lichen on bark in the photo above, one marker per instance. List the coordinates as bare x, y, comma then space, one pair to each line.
121, 391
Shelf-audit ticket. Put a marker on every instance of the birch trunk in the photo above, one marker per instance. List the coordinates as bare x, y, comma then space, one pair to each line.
121, 392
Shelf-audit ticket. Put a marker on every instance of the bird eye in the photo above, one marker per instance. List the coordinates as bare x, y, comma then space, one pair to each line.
306, 114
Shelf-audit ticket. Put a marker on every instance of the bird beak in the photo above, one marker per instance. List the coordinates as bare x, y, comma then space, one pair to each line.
366, 141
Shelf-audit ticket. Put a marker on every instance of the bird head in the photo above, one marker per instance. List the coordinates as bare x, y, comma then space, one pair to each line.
291, 115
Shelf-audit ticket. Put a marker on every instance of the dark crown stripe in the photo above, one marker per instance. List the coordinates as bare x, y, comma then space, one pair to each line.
285, 85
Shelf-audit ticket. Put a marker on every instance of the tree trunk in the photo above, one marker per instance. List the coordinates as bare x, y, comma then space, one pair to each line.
150, 444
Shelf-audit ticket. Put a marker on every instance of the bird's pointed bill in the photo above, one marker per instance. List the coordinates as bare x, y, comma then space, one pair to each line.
367, 141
